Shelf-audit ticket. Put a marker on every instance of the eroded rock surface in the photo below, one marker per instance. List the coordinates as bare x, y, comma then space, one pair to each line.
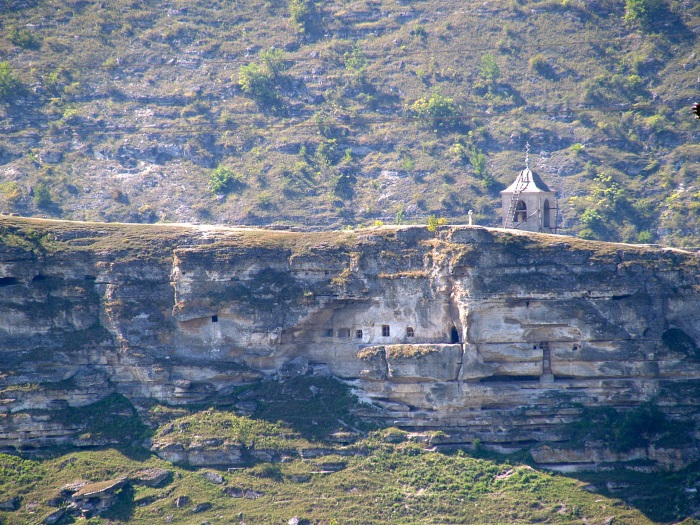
482, 333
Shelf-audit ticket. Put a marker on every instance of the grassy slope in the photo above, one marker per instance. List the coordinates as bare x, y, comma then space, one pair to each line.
395, 484
400, 483
129, 106
390, 477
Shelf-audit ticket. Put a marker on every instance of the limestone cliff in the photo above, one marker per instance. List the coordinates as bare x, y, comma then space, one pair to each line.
483, 333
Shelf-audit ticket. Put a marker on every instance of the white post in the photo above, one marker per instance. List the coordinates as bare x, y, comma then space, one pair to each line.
470, 217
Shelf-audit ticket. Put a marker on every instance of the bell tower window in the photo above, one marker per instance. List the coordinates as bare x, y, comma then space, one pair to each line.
520, 212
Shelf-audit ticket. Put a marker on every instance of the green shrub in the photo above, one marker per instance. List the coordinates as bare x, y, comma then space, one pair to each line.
489, 70
644, 237
459, 151
436, 110
577, 148
22, 38
257, 81
300, 12
326, 152
640, 12
478, 161
592, 219
272, 59
342, 185
42, 195
223, 180
420, 32
434, 222
355, 60
10, 191
264, 199
261, 80
111, 63
9, 83
538, 63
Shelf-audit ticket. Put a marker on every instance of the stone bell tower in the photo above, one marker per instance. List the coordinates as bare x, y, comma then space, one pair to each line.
528, 203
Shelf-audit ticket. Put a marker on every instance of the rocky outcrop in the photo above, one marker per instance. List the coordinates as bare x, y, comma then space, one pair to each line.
482, 333
200, 454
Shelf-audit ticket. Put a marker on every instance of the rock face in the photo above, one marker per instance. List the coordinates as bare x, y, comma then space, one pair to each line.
495, 335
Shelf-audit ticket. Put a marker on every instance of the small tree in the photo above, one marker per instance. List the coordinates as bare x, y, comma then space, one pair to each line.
22, 37
432, 223
256, 80
640, 12
489, 70
223, 180
261, 80
300, 12
437, 110
42, 196
9, 83
478, 161
355, 60
272, 59
342, 185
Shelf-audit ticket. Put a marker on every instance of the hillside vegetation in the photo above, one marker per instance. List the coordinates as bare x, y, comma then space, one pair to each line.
339, 113
322, 466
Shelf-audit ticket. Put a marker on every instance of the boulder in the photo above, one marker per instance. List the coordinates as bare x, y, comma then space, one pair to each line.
11, 504
201, 507
182, 501
213, 477
55, 516
152, 477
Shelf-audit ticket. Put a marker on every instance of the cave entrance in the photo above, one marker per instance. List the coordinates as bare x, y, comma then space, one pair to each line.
8, 281
454, 335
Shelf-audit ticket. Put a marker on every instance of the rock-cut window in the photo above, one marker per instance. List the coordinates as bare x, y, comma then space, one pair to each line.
344, 332
214, 318
410, 332
358, 334
386, 331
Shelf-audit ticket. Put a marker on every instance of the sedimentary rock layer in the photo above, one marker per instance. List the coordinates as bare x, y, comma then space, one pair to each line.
493, 334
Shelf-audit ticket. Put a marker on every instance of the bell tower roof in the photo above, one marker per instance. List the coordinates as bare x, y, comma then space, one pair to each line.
527, 181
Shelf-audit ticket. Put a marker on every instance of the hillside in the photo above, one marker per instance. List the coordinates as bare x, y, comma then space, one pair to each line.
340, 113
397, 478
